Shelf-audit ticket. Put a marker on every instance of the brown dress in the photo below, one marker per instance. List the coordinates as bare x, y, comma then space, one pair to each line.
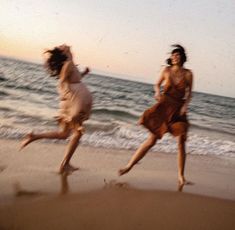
165, 116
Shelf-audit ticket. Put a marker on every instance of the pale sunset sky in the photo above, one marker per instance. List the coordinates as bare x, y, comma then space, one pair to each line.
127, 38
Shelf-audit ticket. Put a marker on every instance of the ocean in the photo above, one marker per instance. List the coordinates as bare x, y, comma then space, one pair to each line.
29, 102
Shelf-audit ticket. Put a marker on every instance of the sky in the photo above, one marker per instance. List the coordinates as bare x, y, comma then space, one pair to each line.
127, 38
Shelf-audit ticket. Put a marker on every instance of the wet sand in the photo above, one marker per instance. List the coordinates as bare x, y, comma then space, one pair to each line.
34, 196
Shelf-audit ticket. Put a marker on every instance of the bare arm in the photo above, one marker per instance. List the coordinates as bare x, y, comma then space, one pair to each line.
158, 84
188, 95
65, 71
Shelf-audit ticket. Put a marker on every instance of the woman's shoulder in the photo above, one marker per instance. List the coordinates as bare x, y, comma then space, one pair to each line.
188, 75
66, 70
187, 71
166, 70
68, 64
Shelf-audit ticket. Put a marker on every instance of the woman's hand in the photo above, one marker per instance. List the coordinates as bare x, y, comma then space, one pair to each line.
157, 96
85, 72
183, 110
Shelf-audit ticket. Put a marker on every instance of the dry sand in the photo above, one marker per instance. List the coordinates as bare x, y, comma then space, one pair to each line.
34, 196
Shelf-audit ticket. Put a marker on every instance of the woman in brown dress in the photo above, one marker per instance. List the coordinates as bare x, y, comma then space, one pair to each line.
169, 113
75, 102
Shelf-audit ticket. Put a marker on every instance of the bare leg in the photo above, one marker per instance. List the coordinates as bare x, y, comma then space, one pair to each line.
72, 145
48, 135
139, 154
181, 160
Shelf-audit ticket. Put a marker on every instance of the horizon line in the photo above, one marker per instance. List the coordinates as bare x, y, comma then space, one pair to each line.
105, 74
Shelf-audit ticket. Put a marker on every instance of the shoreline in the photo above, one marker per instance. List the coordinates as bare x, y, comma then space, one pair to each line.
212, 143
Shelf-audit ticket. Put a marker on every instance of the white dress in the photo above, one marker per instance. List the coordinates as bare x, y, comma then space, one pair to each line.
75, 100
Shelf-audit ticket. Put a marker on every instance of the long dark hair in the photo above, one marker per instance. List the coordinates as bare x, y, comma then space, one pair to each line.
178, 49
55, 61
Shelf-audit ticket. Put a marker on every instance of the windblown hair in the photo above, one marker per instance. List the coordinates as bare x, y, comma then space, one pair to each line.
178, 49
55, 61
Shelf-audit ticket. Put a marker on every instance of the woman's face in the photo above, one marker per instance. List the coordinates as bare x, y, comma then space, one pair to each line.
66, 50
175, 59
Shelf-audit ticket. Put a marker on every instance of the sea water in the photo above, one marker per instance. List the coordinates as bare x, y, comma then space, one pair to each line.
29, 102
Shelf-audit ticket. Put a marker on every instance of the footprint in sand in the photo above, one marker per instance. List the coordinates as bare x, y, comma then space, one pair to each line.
115, 184
2, 168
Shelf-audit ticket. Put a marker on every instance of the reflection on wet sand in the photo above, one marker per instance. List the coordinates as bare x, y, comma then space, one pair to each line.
64, 188
107, 184
64, 183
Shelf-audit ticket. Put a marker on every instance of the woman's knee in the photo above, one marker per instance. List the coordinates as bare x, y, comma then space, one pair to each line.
151, 141
77, 133
64, 134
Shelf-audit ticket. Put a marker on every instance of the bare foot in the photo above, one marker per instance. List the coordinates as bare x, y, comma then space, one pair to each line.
181, 180
123, 171
67, 169
27, 139
180, 187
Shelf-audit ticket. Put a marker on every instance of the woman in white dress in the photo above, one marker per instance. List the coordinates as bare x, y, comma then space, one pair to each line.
75, 103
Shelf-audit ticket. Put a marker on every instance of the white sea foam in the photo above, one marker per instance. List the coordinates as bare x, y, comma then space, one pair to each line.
124, 137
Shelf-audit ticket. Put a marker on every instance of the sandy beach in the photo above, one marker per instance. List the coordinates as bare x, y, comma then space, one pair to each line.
34, 196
